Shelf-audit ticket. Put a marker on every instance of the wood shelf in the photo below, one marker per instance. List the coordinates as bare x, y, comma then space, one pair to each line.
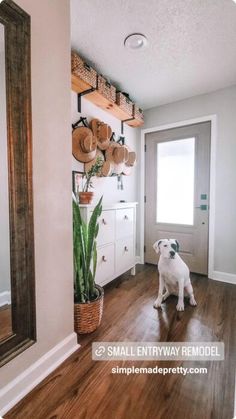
79, 86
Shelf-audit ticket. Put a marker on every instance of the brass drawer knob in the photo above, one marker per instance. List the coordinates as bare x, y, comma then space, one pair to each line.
126, 249
104, 222
126, 217
104, 259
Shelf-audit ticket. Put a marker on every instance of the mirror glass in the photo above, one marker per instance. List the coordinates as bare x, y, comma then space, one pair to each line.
5, 278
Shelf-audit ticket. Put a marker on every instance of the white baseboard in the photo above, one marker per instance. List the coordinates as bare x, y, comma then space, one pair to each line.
5, 298
223, 277
18, 388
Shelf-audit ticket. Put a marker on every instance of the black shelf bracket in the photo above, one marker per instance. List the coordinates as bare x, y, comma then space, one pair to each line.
122, 124
79, 95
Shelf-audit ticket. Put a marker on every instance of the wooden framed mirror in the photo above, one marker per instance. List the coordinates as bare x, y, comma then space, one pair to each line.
17, 290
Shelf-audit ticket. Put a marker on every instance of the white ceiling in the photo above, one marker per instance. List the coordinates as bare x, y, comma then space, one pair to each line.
192, 45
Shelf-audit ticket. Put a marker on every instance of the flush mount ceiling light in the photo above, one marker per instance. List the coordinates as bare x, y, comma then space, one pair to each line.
136, 41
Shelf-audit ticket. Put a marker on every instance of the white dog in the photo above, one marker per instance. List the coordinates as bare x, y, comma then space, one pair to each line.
173, 274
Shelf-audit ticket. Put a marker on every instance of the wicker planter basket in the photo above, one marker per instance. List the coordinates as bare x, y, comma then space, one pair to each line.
124, 103
82, 70
106, 89
138, 113
88, 316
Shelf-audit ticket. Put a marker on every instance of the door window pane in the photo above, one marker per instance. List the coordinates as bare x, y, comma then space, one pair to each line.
175, 181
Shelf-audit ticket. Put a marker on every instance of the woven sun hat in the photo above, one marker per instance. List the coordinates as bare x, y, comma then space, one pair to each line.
102, 132
117, 154
128, 166
127, 170
107, 169
131, 159
84, 144
87, 166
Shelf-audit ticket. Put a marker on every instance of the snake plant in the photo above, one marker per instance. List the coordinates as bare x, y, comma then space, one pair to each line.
85, 253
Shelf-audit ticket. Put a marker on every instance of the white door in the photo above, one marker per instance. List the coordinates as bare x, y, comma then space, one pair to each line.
177, 192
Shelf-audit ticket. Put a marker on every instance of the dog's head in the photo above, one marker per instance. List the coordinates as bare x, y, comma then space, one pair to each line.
167, 247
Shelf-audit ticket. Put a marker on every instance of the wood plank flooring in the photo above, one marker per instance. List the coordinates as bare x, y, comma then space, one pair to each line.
83, 389
5, 322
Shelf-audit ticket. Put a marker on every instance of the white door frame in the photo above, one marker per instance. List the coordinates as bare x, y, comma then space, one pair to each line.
213, 120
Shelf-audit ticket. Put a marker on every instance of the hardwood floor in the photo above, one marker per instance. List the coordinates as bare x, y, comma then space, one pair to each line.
81, 388
5, 322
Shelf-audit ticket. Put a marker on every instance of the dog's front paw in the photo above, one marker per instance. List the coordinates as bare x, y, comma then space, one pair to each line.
157, 303
192, 302
180, 306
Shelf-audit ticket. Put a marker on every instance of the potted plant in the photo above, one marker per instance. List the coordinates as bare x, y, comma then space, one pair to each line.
86, 196
88, 296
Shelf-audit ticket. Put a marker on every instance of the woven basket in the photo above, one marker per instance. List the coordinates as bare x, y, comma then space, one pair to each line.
106, 89
138, 113
124, 103
82, 70
88, 316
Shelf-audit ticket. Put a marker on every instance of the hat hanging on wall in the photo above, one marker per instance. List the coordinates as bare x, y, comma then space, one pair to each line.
107, 168
131, 159
118, 156
127, 169
84, 144
102, 132
87, 166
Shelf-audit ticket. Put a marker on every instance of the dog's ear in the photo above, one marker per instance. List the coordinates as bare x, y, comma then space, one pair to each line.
177, 245
156, 246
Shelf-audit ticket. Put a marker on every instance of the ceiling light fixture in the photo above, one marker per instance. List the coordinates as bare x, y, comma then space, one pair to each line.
135, 41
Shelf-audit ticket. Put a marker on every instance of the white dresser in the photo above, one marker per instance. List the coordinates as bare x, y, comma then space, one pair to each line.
116, 240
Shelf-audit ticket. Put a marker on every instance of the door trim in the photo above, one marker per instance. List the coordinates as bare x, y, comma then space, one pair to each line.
208, 118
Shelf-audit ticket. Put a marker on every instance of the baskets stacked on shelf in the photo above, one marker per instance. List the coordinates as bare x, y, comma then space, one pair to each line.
83, 70
138, 113
106, 89
84, 77
125, 103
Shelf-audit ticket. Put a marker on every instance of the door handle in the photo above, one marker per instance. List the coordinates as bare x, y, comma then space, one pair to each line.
202, 207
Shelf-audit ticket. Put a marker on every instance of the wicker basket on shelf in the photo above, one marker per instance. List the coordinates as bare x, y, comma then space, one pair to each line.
106, 89
125, 103
88, 316
138, 113
82, 70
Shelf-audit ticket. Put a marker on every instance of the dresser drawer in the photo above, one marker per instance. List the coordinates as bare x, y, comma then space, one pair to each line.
106, 228
125, 254
105, 264
124, 223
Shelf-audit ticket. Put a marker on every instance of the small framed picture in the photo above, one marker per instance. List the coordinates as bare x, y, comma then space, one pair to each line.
76, 181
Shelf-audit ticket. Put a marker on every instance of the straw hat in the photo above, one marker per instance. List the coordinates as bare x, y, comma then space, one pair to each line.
102, 132
87, 166
131, 159
127, 169
107, 169
118, 155
84, 144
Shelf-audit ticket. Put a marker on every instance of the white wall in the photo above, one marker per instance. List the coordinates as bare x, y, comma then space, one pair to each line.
50, 22
223, 104
5, 284
108, 186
